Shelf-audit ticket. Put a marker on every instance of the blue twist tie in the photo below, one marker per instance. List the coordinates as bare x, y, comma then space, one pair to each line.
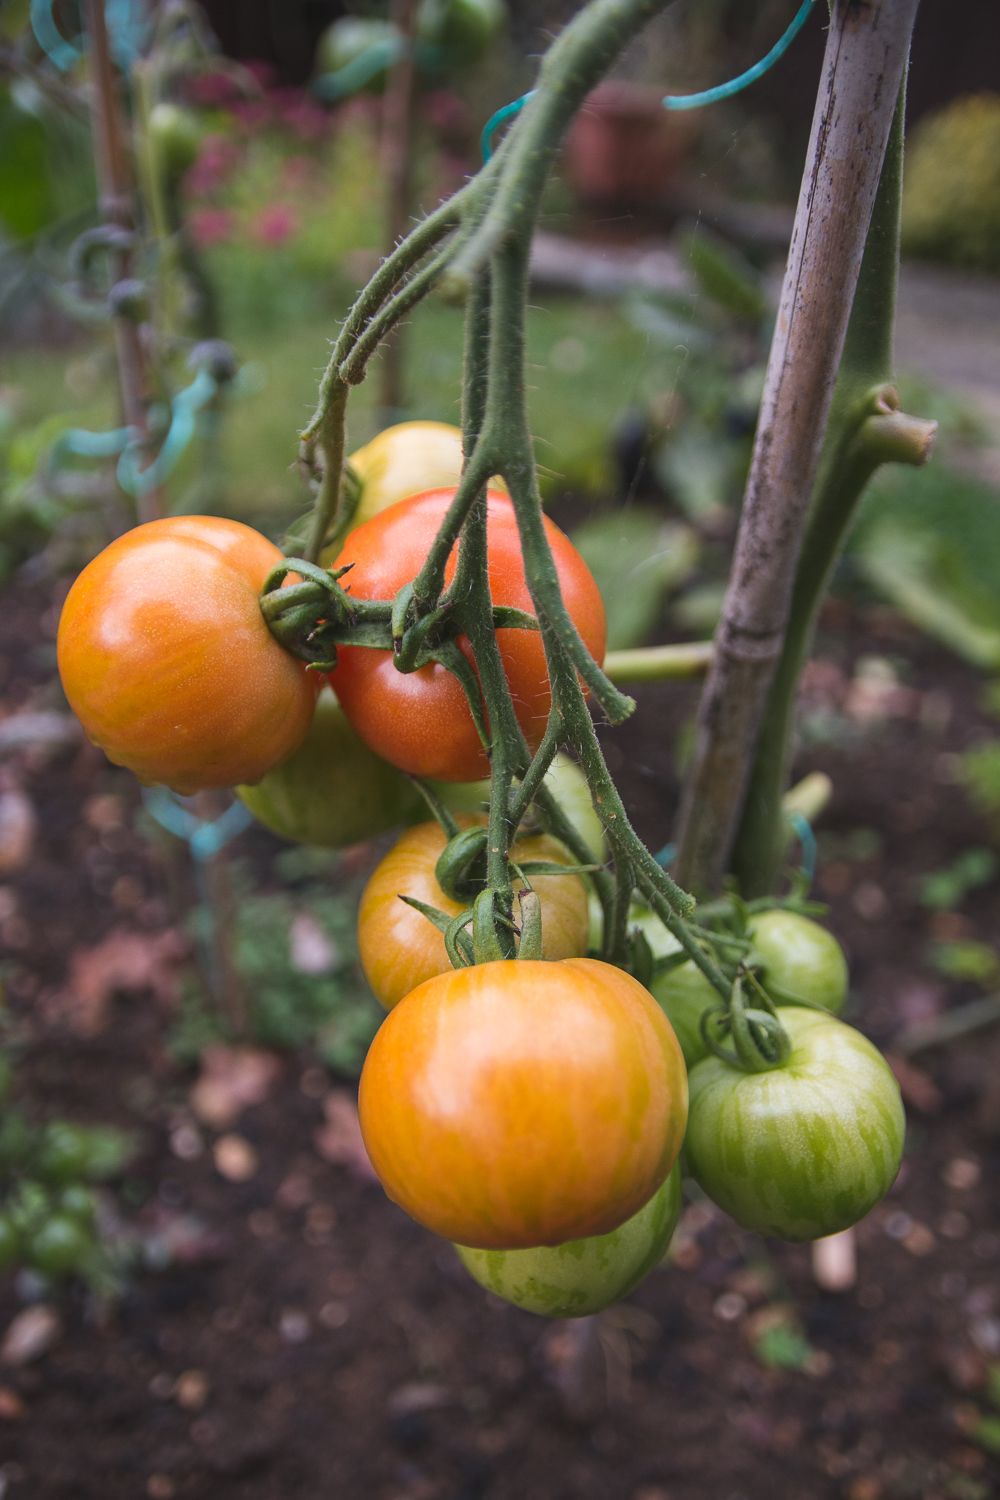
806, 837
726, 90
676, 101
204, 839
141, 482
486, 139
666, 855
126, 25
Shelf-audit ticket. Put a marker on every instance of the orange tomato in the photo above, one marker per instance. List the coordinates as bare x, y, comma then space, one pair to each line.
524, 1103
420, 721
399, 948
168, 663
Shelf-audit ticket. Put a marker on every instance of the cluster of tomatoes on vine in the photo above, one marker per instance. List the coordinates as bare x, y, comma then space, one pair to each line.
531, 1109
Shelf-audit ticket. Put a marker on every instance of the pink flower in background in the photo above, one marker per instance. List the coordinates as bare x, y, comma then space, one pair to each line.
216, 160
297, 172
210, 226
304, 116
276, 224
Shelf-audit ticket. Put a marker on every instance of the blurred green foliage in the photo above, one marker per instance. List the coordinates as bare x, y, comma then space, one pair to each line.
951, 198
290, 1004
944, 890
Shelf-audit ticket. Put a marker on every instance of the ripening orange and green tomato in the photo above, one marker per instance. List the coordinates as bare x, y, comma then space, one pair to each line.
399, 948
168, 663
332, 791
582, 1277
404, 460
420, 721
522, 1103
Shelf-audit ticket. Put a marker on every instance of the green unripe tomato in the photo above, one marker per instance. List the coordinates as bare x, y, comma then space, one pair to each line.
684, 994
58, 1247
346, 40
582, 1276
9, 1243
77, 1202
806, 1149
175, 135
333, 791
64, 1153
802, 961
461, 29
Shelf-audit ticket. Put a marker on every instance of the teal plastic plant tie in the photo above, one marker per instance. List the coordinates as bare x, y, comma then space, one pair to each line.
806, 837
666, 856
204, 839
93, 444
734, 86
185, 404
126, 25
486, 139
674, 101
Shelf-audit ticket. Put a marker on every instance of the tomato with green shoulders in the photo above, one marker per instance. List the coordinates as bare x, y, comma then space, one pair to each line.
399, 948
807, 1148
521, 1103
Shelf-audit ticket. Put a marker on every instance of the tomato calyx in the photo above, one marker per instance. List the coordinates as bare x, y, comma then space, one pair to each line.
760, 1042
312, 617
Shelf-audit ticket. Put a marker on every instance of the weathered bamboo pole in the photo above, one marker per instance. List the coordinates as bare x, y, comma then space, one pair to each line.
866, 52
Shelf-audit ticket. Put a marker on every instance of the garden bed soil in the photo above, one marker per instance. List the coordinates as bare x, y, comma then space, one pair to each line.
340, 1350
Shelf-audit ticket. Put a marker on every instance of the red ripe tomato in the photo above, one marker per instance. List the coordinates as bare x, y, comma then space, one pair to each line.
524, 1103
399, 948
168, 663
420, 721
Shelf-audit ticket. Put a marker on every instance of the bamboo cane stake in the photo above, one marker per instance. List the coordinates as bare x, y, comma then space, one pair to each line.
866, 52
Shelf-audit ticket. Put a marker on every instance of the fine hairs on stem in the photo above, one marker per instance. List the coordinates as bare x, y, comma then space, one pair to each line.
477, 246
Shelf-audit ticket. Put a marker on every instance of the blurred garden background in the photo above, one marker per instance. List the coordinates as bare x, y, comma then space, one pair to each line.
252, 1318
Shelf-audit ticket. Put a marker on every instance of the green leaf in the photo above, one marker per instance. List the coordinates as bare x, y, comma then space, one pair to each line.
968, 960
726, 277
944, 890
929, 541
25, 184
783, 1347
636, 560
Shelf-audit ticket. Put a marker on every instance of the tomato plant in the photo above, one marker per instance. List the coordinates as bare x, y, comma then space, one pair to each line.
332, 790
801, 960
582, 1276
168, 663
399, 948
521, 1103
807, 1148
420, 721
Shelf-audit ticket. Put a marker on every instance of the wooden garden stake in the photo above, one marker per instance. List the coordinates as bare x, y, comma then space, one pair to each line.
866, 54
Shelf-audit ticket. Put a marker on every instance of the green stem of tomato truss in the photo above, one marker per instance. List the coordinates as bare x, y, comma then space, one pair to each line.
866, 429
486, 260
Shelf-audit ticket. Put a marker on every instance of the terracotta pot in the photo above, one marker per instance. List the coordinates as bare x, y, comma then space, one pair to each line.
623, 146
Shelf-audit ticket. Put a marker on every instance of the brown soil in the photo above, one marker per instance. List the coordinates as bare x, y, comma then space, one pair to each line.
345, 1352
